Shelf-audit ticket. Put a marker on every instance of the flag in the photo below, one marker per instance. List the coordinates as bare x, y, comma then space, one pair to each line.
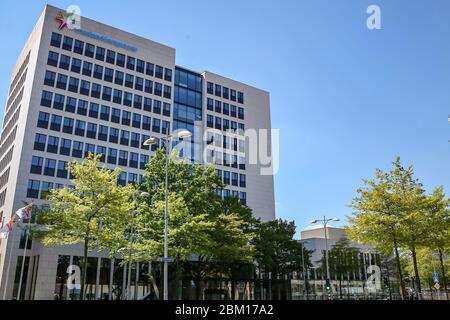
24, 213
7, 228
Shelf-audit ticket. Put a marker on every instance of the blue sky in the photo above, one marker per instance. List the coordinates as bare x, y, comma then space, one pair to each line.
346, 99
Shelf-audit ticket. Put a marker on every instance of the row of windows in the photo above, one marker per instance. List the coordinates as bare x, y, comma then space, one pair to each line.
94, 90
224, 92
9, 125
224, 124
39, 189
9, 113
107, 74
78, 149
2, 198
4, 179
225, 108
6, 159
110, 56
22, 67
225, 159
15, 93
232, 178
106, 113
114, 115
7, 143
225, 193
97, 132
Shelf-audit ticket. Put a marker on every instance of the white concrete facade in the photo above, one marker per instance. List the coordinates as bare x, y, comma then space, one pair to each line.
20, 129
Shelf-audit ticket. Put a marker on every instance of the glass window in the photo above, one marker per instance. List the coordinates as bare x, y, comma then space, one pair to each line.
136, 120
43, 119
62, 169
89, 50
67, 43
102, 151
158, 89
100, 54
218, 106
36, 165
117, 96
210, 87
93, 110
77, 150
120, 60
139, 84
127, 98
95, 90
129, 80
131, 62
240, 97
225, 92
39, 141
58, 102
242, 182
33, 189
149, 70
115, 115
168, 74
159, 72
52, 59
124, 137
61, 83
210, 104
119, 78
98, 71
157, 106
166, 109
50, 167
87, 68
68, 125
112, 156
49, 79
65, 147
55, 124
126, 118
104, 113
80, 128
55, 40
148, 88
218, 90
134, 160
103, 133
82, 107
52, 144
167, 92
46, 99
226, 109
135, 139
113, 135
107, 92
233, 95
64, 62
85, 87
71, 104
140, 66
76, 65
123, 158
241, 113
108, 75
73, 84
91, 130
78, 47
146, 123
156, 125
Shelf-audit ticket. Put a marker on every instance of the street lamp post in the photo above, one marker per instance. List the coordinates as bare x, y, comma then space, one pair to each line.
325, 222
182, 134
132, 231
305, 273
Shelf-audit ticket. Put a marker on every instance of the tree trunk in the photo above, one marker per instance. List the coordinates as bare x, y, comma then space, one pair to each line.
444, 276
399, 270
84, 273
416, 270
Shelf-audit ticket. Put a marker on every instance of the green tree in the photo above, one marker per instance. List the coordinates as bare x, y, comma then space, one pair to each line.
95, 212
218, 232
277, 250
342, 260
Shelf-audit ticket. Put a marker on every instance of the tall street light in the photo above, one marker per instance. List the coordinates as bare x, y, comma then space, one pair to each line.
132, 231
181, 134
325, 222
305, 272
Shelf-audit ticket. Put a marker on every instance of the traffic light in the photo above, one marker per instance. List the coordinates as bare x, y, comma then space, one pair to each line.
386, 283
328, 285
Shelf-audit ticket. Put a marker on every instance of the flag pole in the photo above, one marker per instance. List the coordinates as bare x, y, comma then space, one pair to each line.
24, 254
9, 260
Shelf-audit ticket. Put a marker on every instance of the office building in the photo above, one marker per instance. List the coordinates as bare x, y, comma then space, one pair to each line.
96, 89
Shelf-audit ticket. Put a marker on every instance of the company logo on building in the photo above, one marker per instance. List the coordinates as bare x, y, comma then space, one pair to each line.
71, 19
